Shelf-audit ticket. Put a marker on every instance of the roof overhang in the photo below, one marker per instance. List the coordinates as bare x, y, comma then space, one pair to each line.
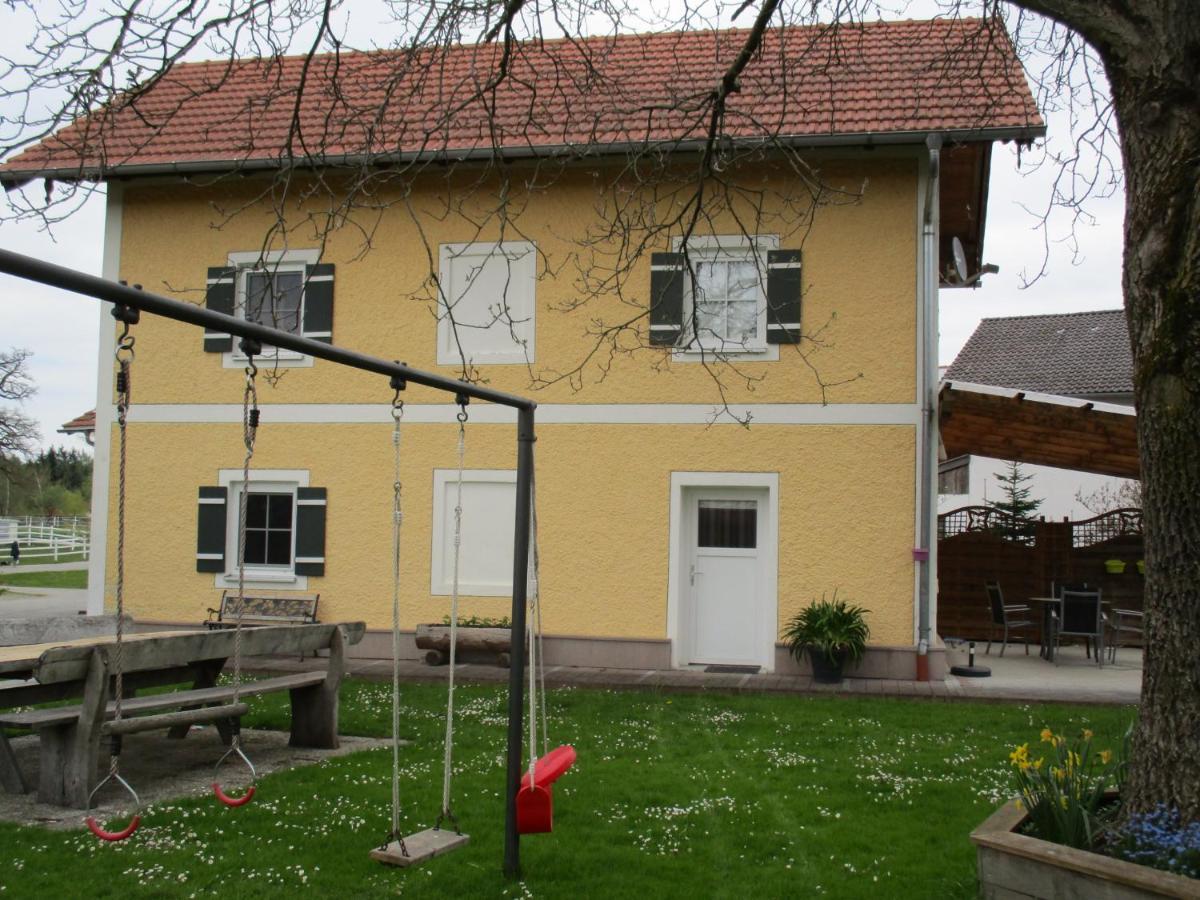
13, 178
1040, 429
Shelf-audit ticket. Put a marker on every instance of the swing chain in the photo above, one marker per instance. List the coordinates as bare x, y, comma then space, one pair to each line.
250, 416
448, 762
398, 384
124, 355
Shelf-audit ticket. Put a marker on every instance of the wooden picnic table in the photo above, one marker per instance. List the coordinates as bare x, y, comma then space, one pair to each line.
83, 668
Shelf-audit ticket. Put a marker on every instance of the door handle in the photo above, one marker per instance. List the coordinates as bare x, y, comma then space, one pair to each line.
694, 573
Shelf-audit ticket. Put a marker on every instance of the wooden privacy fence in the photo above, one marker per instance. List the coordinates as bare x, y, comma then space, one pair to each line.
977, 544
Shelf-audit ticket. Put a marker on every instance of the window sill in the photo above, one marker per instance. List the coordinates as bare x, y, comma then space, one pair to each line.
770, 353
285, 360
263, 578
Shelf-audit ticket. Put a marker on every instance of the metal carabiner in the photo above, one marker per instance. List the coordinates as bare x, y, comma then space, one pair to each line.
94, 826
216, 785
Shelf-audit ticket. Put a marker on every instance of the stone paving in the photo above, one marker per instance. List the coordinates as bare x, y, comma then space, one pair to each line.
1015, 678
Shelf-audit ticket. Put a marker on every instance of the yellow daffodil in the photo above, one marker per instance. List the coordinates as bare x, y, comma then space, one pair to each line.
1087, 734
1019, 754
1105, 756
1047, 735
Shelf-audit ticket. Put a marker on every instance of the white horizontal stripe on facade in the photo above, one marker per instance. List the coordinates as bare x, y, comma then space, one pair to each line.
310, 502
784, 265
210, 556
219, 501
670, 267
783, 326
547, 414
316, 334
310, 559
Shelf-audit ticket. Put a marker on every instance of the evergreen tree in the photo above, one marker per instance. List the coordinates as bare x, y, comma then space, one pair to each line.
1016, 502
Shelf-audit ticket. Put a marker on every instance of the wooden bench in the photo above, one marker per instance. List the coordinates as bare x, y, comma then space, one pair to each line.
260, 609
70, 736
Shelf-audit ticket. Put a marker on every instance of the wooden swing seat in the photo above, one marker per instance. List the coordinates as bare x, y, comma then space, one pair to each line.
421, 846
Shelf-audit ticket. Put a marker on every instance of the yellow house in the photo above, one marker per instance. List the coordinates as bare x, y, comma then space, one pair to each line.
730, 333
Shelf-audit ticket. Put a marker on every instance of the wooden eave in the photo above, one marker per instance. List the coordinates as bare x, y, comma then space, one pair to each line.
1039, 429
963, 190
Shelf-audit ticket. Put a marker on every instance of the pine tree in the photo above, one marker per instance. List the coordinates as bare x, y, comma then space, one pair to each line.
1016, 502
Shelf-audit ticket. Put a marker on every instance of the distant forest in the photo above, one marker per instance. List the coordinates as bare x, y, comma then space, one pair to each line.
56, 482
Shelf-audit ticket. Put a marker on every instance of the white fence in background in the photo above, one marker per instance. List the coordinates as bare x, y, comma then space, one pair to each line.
45, 539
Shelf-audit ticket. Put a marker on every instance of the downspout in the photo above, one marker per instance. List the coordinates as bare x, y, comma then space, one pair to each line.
927, 381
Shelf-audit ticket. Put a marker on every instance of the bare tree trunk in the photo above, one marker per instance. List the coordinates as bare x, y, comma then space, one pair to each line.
1156, 88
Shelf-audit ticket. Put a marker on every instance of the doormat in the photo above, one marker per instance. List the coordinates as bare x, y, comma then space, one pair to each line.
734, 670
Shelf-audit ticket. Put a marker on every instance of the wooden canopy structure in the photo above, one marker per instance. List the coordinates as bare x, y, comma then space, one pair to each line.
1040, 429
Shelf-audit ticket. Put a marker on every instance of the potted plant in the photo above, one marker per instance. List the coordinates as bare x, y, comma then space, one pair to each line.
477, 635
830, 632
1114, 566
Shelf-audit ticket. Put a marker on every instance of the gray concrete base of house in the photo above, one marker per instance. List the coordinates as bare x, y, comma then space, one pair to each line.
641, 655
651, 654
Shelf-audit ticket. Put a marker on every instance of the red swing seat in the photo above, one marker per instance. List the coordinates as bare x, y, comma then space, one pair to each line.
535, 802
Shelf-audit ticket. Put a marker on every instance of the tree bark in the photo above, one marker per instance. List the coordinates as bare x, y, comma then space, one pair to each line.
1155, 80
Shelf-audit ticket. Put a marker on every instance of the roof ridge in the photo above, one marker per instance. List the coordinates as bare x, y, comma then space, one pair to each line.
1064, 315
598, 38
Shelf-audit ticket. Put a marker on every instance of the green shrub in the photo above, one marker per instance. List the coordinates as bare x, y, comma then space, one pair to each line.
832, 627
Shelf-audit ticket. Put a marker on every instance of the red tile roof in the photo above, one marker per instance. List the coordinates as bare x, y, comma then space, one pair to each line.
885, 80
85, 422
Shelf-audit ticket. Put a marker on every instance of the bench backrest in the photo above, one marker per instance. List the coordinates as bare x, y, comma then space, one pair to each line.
147, 653
265, 607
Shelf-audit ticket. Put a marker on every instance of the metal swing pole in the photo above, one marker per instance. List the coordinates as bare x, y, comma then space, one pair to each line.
516, 672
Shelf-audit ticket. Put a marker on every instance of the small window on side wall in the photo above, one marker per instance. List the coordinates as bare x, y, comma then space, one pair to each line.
486, 303
728, 293
285, 528
288, 291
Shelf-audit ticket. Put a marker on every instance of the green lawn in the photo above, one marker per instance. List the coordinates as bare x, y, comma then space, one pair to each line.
70, 578
674, 795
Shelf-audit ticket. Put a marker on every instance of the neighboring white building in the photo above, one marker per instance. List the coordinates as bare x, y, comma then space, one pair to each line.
1084, 355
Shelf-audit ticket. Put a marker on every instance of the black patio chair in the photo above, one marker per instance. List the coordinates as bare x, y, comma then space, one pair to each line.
1003, 616
1081, 615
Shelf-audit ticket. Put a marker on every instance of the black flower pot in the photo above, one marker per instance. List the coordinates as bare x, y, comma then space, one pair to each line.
827, 667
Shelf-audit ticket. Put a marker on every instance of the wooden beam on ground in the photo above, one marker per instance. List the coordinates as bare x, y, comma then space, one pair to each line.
169, 720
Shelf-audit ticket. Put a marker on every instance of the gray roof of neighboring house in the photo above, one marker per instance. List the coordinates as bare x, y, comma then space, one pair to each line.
1070, 354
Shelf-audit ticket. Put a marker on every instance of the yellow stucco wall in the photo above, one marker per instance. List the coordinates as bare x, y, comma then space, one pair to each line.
846, 492
845, 517
859, 282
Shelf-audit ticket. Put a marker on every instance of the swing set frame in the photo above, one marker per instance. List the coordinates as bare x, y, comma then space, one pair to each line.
120, 294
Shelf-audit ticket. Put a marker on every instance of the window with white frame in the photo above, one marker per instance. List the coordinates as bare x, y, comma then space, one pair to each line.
486, 305
285, 528
486, 550
724, 297
287, 290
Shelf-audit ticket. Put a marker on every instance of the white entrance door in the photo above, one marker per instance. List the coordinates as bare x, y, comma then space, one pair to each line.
726, 574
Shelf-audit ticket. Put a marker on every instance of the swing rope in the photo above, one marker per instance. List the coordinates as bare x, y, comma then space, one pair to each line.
448, 761
397, 520
537, 674
124, 356
250, 417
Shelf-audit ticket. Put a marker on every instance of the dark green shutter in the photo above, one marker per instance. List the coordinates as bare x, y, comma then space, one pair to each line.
218, 297
318, 302
310, 531
667, 271
210, 529
783, 297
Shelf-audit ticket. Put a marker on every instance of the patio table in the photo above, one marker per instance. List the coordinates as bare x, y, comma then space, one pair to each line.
1050, 606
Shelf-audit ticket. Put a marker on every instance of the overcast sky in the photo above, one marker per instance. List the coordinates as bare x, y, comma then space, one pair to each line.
61, 329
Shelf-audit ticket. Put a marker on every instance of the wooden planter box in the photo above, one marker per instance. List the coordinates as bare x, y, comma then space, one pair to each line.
474, 642
1015, 866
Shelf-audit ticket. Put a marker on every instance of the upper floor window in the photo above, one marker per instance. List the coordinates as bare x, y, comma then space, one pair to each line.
486, 306
286, 290
728, 294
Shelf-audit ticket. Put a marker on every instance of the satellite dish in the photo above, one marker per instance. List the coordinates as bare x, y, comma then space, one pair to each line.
960, 258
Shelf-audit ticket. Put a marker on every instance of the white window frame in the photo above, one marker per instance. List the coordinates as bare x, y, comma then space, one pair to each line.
703, 247
273, 261
276, 481
522, 291
445, 480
